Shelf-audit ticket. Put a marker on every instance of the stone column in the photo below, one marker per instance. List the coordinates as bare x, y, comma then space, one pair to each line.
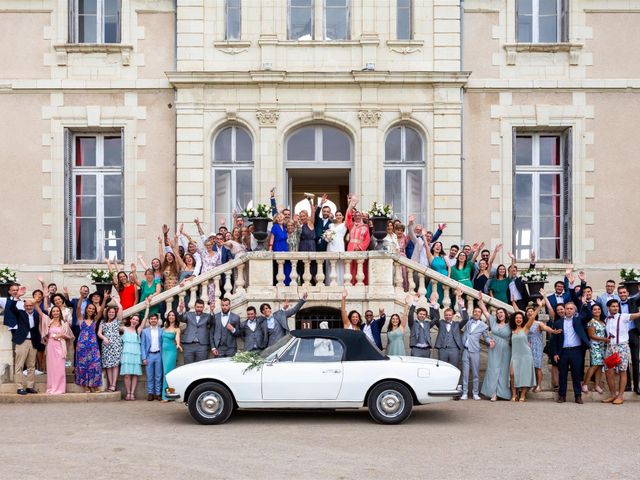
370, 186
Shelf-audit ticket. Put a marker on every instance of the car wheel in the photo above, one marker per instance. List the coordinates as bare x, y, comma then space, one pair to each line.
210, 404
390, 403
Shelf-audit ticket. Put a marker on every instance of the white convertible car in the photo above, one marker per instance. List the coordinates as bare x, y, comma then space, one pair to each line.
315, 369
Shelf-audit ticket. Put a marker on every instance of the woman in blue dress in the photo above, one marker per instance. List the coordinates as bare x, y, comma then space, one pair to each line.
395, 333
170, 346
437, 262
496, 378
278, 243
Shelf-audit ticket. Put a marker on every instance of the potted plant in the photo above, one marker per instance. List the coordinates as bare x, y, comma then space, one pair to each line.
7, 277
102, 280
259, 218
630, 279
535, 280
380, 214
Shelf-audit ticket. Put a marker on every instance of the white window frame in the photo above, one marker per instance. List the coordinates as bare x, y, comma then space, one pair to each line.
535, 170
233, 166
74, 15
347, 8
318, 158
398, 9
312, 7
99, 171
535, 23
226, 21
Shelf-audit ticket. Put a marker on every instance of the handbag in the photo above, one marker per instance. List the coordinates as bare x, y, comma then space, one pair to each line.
614, 359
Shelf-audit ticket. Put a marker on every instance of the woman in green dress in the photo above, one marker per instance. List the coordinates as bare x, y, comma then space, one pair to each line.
395, 333
149, 287
437, 262
170, 346
499, 284
496, 378
523, 375
461, 271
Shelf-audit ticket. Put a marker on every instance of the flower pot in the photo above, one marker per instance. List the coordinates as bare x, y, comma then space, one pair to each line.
379, 227
534, 287
632, 286
260, 232
4, 289
103, 288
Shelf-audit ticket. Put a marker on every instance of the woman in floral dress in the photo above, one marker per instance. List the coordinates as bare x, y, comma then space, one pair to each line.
210, 259
596, 329
88, 364
109, 333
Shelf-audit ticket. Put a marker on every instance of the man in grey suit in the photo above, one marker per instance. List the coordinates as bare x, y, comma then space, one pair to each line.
195, 337
277, 324
225, 331
254, 332
473, 330
449, 341
420, 337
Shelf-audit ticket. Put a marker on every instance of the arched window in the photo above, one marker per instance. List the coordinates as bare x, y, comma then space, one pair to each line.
404, 186
318, 143
232, 172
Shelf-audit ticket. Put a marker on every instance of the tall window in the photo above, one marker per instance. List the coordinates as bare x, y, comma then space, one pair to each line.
542, 21
541, 197
232, 172
318, 144
94, 21
300, 19
233, 23
403, 172
403, 20
336, 19
94, 190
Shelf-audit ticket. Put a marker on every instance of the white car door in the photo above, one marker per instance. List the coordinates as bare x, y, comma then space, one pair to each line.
310, 369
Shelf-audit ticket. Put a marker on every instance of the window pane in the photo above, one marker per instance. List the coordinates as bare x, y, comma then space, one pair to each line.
222, 148
113, 227
301, 3
222, 182
335, 145
113, 185
336, 16
549, 227
393, 191
85, 151
550, 184
413, 146
525, 28
113, 248
525, 7
244, 189
523, 237
319, 350
392, 150
112, 206
86, 239
244, 146
403, 23
85, 185
548, 7
301, 21
301, 145
523, 195
233, 19
549, 150
549, 249
85, 206
112, 152
111, 21
87, 7
87, 29
414, 195
548, 29
524, 148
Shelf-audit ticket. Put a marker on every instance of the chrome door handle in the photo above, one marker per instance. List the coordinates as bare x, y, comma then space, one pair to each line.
332, 371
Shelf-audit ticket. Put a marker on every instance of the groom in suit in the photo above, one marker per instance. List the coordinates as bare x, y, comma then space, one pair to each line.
473, 330
449, 339
322, 224
152, 357
276, 322
225, 331
195, 337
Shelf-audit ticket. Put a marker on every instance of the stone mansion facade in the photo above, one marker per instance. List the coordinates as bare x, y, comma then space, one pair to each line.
513, 121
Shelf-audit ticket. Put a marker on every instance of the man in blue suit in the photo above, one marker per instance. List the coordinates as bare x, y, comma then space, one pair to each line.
567, 348
561, 294
152, 357
372, 328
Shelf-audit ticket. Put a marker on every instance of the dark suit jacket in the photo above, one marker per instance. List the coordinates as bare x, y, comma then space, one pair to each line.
225, 254
376, 328
321, 245
634, 307
566, 295
19, 335
579, 322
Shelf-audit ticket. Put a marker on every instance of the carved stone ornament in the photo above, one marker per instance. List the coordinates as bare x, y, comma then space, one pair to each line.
369, 118
404, 50
267, 117
232, 50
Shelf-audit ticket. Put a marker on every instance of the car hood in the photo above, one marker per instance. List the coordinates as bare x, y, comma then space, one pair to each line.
421, 360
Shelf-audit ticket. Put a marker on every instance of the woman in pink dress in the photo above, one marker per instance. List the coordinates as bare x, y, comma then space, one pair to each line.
56, 334
358, 238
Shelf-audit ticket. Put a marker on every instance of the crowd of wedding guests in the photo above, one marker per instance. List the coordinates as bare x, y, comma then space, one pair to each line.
53, 332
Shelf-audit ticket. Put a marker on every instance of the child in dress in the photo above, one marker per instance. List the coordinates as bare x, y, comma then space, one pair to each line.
131, 360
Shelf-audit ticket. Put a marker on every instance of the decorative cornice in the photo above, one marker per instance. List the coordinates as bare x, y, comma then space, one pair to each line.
369, 118
573, 49
232, 47
405, 46
267, 118
62, 50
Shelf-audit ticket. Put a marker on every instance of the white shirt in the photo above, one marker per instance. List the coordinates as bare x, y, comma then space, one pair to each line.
252, 325
448, 327
451, 261
224, 319
515, 294
271, 322
472, 325
559, 299
197, 319
155, 339
571, 338
367, 331
612, 327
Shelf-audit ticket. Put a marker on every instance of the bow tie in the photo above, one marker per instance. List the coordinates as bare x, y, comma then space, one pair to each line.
623, 303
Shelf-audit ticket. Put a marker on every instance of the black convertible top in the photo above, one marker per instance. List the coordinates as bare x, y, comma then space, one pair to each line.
356, 344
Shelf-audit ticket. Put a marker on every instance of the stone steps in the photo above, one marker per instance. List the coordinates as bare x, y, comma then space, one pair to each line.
66, 398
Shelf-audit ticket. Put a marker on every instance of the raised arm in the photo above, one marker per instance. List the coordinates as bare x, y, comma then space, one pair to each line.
199, 226
493, 256
532, 320
410, 232
483, 307
296, 308
79, 310
403, 319
438, 232
145, 319
476, 251
427, 248
142, 262
274, 208
343, 309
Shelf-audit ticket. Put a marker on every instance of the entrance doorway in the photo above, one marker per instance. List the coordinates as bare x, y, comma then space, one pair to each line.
332, 181
312, 316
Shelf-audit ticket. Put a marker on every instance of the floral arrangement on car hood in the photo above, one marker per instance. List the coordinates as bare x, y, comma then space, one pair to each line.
380, 210
253, 360
533, 275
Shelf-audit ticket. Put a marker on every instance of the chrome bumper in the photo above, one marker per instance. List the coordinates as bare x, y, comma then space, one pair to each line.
172, 396
447, 393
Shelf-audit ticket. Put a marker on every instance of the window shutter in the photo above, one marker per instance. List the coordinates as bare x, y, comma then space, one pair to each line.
72, 21
564, 20
567, 195
513, 189
68, 196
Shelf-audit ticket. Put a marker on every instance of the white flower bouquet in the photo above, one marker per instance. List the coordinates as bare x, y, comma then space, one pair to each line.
328, 235
533, 275
7, 275
380, 210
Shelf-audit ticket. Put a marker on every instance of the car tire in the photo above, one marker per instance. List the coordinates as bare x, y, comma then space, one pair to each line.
210, 403
390, 403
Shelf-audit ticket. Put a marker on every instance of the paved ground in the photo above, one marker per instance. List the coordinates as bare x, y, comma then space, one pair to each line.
144, 440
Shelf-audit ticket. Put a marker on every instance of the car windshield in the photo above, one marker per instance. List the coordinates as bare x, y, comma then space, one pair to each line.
269, 351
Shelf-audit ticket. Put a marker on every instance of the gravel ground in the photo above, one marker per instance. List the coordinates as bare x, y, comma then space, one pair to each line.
142, 440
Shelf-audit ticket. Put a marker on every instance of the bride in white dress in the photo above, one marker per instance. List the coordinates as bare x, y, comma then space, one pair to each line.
337, 245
